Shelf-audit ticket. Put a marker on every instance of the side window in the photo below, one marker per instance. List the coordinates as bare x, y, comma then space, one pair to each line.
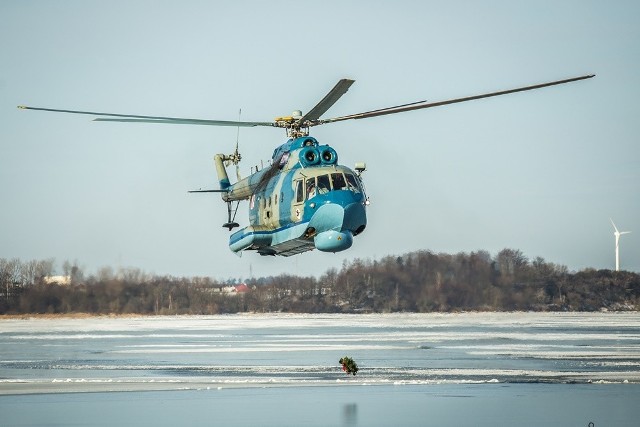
352, 183
323, 184
338, 181
311, 187
299, 191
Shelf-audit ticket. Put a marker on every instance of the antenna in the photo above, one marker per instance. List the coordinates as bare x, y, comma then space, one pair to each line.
238, 133
236, 154
617, 234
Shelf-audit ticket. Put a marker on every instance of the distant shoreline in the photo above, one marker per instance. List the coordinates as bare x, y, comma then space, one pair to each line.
69, 316
137, 315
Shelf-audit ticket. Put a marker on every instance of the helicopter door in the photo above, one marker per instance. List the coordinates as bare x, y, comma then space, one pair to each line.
298, 204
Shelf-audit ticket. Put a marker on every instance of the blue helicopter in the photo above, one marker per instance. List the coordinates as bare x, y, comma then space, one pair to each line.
304, 199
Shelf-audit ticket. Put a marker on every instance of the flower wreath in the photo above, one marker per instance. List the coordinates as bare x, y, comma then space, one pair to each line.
348, 365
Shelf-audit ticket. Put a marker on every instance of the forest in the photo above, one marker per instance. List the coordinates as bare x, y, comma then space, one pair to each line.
420, 281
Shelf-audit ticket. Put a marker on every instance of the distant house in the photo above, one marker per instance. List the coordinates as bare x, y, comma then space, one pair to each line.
58, 280
242, 288
235, 289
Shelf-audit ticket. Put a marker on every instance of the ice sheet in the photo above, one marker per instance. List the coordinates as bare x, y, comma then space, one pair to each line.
284, 350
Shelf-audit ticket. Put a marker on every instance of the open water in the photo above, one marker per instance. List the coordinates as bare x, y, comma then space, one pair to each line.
476, 369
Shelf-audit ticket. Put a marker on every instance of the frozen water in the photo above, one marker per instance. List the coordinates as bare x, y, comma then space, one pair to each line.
480, 369
286, 349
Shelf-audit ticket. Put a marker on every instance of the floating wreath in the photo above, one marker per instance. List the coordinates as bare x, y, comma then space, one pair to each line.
348, 365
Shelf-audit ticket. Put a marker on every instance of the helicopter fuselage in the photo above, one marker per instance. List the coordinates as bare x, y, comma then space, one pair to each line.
304, 200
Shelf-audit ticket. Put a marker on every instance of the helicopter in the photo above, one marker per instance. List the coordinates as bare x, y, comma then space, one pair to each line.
304, 199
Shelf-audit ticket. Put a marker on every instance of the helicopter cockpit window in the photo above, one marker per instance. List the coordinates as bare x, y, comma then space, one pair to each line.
324, 186
338, 181
352, 183
311, 187
299, 191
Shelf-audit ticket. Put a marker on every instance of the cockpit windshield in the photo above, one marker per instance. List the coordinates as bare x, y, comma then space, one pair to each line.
353, 183
322, 184
338, 181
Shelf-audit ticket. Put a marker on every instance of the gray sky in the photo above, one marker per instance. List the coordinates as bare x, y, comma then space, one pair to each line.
539, 171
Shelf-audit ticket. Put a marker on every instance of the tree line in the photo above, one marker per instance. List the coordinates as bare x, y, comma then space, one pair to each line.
420, 281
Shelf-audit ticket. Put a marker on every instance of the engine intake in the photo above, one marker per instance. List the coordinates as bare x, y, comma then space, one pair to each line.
309, 156
329, 156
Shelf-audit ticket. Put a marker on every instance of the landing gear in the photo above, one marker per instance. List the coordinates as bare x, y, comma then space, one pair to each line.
231, 224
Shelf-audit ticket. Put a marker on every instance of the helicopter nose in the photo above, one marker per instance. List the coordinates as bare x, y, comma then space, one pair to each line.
335, 225
355, 218
327, 217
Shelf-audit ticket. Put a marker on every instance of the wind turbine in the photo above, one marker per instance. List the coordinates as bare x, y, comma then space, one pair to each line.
618, 234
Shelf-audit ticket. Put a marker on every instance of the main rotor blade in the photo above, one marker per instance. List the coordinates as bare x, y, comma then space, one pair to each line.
208, 191
397, 106
151, 119
177, 121
419, 106
330, 98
